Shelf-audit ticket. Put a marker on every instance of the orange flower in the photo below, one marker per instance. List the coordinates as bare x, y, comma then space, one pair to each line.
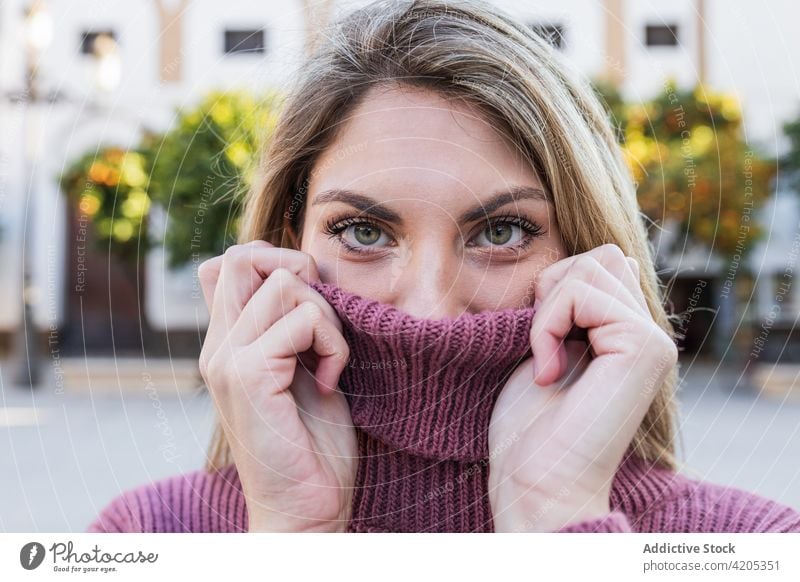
98, 172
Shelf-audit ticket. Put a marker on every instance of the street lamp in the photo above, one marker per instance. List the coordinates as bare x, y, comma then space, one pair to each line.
38, 34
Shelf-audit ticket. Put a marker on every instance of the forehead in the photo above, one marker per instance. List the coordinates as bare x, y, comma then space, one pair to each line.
417, 141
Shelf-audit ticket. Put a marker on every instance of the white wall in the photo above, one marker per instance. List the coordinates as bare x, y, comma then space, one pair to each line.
755, 51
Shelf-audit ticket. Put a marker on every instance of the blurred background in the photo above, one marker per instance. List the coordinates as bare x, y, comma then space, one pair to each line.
129, 137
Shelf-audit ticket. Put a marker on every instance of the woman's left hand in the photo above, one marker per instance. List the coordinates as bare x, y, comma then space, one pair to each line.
555, 442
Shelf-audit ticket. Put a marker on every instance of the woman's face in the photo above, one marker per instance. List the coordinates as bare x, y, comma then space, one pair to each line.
421, 203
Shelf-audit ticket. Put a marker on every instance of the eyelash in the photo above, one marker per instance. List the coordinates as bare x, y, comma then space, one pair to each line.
333, 227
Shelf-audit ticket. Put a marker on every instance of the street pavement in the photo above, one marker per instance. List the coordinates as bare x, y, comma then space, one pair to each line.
63, 457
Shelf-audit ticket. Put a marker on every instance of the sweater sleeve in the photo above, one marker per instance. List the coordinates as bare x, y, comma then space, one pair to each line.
715, 508
119, 516
613, 522
197, 501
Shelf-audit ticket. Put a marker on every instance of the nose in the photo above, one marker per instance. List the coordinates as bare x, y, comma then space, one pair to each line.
425, 282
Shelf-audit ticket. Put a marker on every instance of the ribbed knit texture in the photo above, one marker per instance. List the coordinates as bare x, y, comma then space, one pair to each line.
421, 393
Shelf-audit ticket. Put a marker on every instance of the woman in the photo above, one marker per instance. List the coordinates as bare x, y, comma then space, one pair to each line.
437, 168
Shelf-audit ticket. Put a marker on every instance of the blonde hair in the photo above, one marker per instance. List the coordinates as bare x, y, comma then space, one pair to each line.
471, 50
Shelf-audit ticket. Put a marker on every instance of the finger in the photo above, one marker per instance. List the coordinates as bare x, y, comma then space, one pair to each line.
617, 390
610, 257
277, 296
616, 262
208, 272
574, 302
589, 270
624, 269
244, 269
633, 281
305, 327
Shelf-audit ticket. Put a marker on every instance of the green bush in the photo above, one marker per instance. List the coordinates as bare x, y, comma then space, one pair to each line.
687, 153
109, 187
202, 167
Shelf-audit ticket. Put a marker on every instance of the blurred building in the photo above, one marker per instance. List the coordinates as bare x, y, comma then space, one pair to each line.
164, 54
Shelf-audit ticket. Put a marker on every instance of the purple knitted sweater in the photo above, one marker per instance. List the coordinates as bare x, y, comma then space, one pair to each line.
421, 394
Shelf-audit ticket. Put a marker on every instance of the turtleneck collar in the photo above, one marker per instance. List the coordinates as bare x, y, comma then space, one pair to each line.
421, 394
427, 386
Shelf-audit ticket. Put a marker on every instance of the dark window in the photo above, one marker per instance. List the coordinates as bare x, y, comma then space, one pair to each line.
249, 41
661, 35
552, 33
89, 36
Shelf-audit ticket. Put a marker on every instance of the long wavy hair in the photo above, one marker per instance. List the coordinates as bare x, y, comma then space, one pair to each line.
471, 50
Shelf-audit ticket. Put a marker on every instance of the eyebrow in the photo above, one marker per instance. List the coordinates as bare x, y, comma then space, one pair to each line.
369, 205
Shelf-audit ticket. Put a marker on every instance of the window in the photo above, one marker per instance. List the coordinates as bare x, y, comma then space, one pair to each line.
553, 33
244, 41
661, 35
88, 37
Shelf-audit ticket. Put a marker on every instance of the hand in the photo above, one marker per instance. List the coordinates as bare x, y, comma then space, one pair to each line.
291, 435
556, 441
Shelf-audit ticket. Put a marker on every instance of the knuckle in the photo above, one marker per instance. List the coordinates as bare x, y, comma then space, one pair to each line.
282, 278
312, 311
612, 250
204, 268
663, 349
612, 254
612, 258
232, 251
281, 273
258, 242
235, 255
576, 286
633, 263
239, 254
670, 348
586, 264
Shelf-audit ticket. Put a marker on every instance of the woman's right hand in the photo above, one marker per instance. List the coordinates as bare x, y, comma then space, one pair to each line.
291, 434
